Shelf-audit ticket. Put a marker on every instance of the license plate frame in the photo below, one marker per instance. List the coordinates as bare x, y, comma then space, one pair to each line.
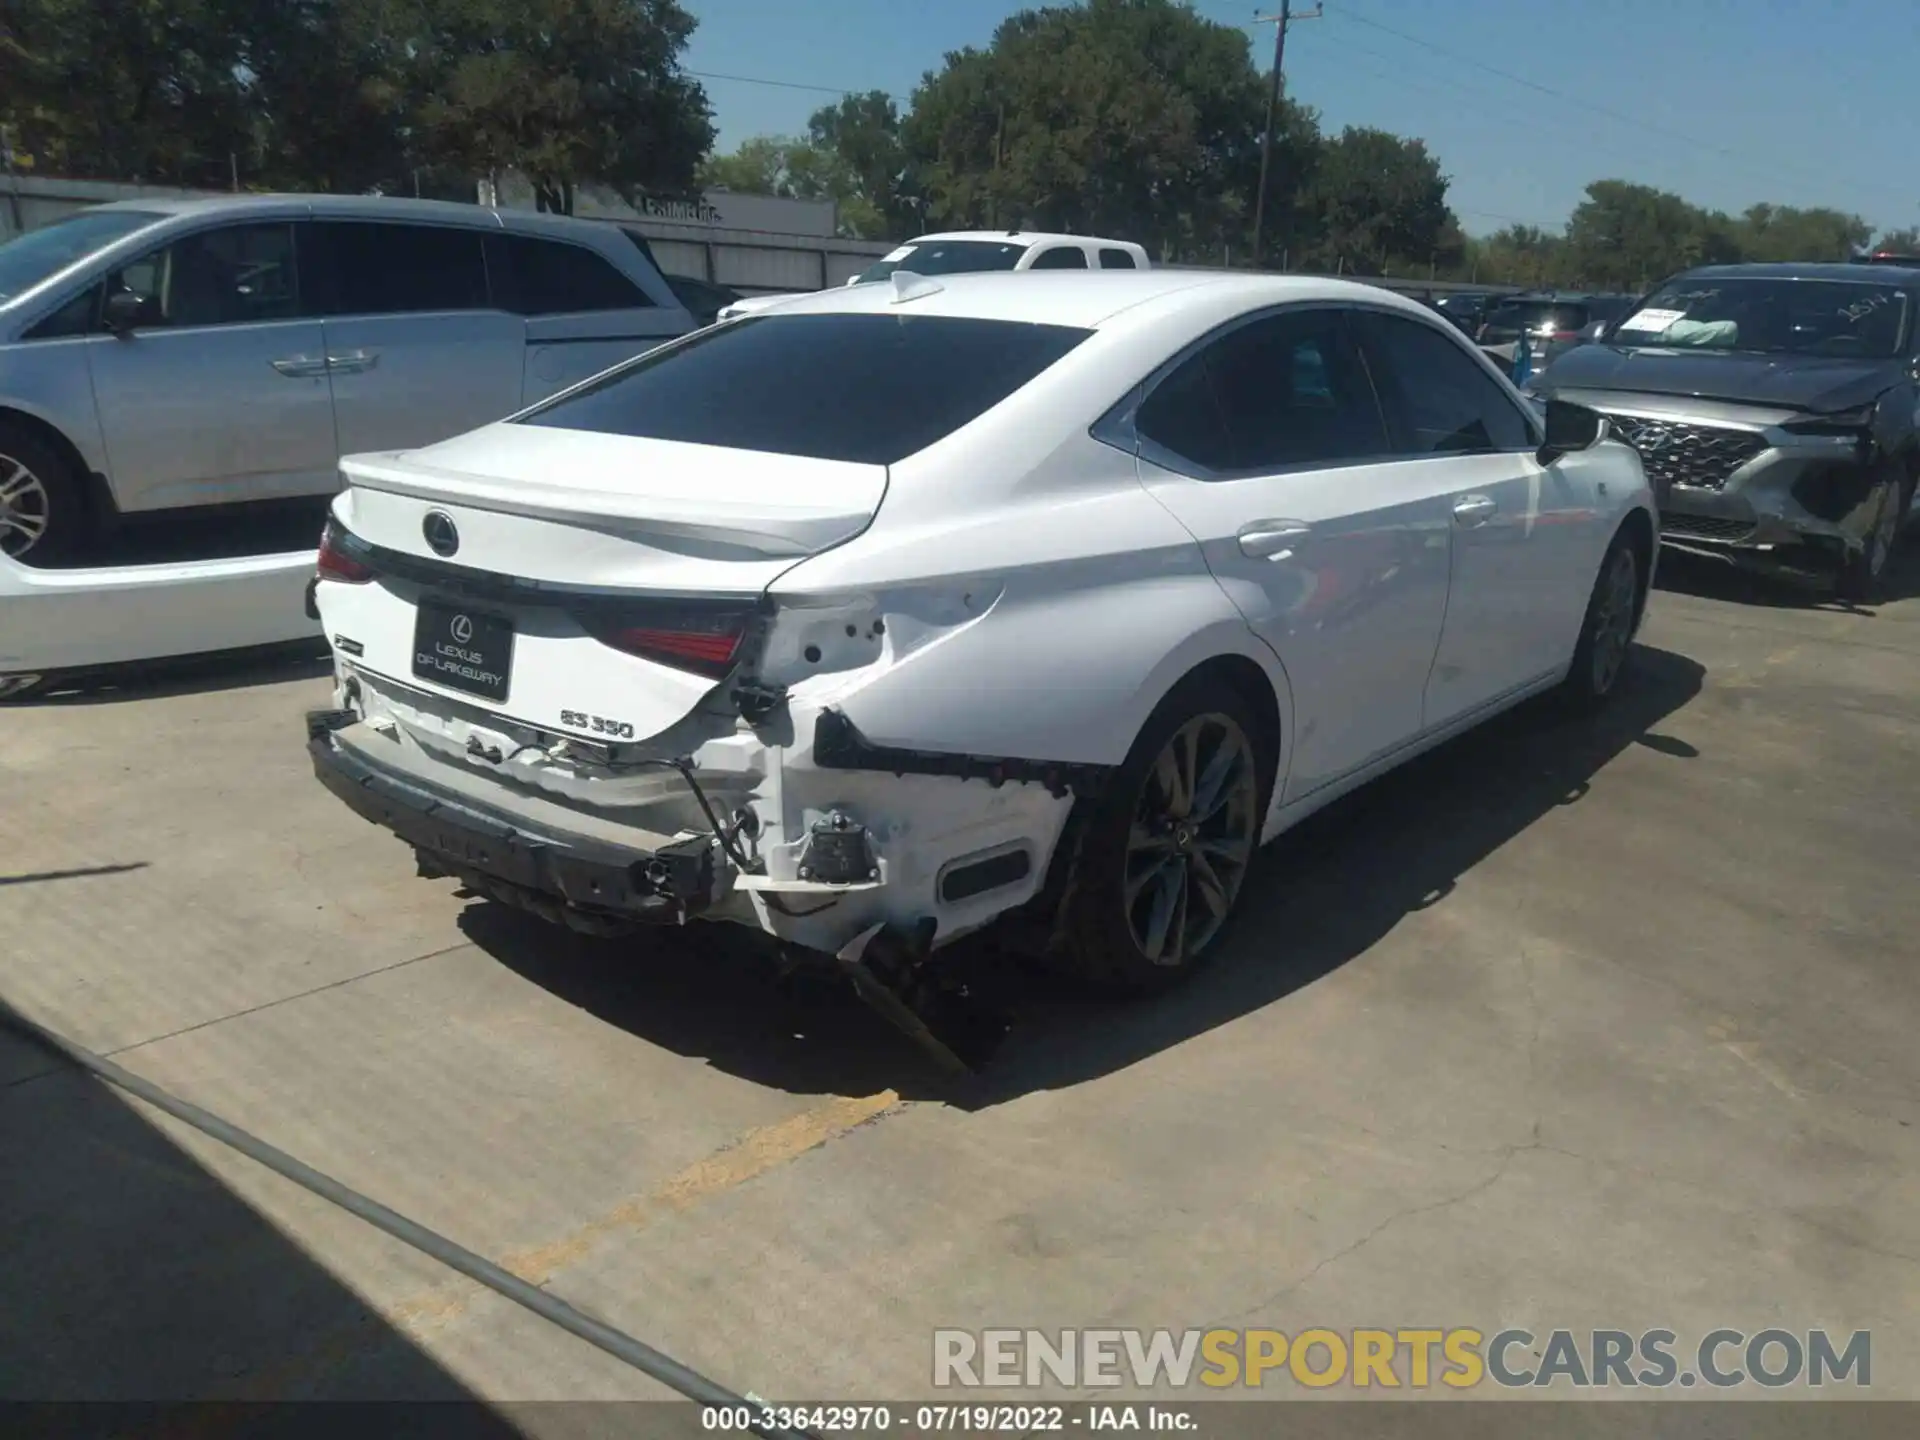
463, 648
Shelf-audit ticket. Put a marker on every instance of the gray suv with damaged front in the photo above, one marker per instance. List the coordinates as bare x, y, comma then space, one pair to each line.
1776, 409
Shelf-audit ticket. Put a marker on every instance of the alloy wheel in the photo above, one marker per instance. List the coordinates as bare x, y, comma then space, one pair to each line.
1613, 619
25, 508
1193, 835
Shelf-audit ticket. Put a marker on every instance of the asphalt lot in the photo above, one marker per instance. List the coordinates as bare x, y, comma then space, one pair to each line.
1565, 1025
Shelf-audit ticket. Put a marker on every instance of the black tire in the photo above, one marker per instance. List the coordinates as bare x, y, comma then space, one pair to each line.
1097, 937
1862, 571
1606, 631
38, 489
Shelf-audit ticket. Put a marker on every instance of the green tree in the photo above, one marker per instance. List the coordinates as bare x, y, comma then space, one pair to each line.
1517, 255
1135, 118
859, 138
1378, 200
1626, 236
1780, 232
334, 88
1900, 242
769, 165
565, 92
126, 89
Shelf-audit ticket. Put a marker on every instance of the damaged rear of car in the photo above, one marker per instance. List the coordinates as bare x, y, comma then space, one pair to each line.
1774, 408
634, 657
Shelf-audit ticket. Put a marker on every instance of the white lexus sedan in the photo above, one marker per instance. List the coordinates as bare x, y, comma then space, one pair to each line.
872, 619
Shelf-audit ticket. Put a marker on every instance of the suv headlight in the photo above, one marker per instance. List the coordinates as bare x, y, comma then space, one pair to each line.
1846, 424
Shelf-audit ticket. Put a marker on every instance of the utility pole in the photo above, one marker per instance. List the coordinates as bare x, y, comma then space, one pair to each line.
1280, 23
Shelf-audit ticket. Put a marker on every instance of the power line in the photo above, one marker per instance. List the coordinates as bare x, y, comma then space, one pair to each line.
786, 84
1772, 169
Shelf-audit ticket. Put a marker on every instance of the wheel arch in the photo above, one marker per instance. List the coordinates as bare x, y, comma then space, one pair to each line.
1638, 529
57, 440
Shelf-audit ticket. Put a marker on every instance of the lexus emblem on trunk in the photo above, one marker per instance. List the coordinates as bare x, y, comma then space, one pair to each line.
442, 538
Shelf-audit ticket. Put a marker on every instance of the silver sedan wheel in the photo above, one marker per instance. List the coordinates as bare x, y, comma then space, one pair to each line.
1613, 618
1194, 830
25, 508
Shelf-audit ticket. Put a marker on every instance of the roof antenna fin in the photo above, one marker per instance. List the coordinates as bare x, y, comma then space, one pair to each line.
909, 286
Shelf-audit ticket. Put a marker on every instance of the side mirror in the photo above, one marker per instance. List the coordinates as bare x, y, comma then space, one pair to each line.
126, 311
1570, 428
1593, 332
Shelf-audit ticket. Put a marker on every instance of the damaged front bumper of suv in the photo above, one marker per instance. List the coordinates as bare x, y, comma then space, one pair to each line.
1781, 489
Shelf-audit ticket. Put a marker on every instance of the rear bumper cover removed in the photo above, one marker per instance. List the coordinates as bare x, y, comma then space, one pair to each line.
565, 876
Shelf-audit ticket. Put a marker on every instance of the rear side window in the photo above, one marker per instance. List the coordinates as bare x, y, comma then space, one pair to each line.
1439, 400
378, 268
870, 389
1067, 257
1111, 259
1534, 316
550, 277
1286, 390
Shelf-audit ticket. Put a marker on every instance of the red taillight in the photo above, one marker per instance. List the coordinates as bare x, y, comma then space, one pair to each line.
337, 560
678, 645
690, 637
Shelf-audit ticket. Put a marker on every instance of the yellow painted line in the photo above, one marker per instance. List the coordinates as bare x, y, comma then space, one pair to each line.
751, 1155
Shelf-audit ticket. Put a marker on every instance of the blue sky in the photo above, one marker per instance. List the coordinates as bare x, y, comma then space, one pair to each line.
1727, 102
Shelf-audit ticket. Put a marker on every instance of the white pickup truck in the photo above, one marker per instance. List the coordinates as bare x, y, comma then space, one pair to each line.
955, 251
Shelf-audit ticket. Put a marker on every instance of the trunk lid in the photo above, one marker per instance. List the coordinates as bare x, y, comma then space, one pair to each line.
588, 585
735, 506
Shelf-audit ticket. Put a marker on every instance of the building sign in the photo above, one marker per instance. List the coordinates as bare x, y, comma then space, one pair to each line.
703, 211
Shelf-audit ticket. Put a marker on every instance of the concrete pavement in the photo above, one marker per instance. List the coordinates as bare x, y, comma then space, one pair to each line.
1566, 1025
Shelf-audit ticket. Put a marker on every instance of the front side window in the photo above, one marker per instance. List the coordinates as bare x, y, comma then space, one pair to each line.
237, 275
37, 255
1066, 257
1439, 401
531, 276
79, 316
1840, 318
869, 389
1284, 391
381, 268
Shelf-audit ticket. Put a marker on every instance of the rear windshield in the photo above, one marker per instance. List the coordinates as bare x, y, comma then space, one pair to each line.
947, 257
1536, 315
1769, 316
870, 389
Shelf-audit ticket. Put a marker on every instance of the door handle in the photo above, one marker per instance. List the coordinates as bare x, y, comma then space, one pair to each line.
1272, 539
297, 367
1474, 509
352, 362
